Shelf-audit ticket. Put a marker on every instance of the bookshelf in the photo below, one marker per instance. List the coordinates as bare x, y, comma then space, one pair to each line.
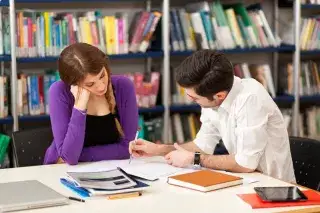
165, 56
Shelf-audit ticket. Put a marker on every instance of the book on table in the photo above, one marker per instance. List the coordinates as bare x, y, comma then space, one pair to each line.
114, 179
204, 180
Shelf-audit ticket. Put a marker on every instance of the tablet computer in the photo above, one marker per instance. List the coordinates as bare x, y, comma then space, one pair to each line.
280, 194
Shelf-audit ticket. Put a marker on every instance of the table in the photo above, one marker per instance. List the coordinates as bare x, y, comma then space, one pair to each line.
160, 198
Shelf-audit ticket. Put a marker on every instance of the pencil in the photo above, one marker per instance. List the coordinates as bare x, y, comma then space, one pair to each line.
124, 195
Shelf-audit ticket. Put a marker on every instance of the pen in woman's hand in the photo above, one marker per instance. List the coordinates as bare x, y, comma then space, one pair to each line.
134, 143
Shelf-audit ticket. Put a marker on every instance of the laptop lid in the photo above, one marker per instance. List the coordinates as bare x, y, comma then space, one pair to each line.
28, 194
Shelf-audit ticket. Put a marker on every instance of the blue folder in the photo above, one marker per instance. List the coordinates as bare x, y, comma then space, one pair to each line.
73, 187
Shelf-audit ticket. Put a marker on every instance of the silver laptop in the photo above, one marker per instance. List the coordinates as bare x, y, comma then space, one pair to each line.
28, 194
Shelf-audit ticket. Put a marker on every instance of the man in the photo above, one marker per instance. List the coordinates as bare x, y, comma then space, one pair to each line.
238, 111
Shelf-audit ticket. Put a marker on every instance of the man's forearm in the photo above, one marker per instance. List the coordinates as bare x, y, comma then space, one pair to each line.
222, 162
190, 146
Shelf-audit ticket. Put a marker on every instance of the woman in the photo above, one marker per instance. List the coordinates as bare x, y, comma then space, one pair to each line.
93, 115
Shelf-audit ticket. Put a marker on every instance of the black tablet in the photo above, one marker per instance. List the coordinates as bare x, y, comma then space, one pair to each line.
280, 194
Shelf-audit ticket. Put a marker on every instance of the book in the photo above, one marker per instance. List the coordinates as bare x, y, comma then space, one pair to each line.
114, 179
205, 180
87, 192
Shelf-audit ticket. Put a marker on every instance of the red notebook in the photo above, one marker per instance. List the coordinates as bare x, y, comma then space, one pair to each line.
255, 202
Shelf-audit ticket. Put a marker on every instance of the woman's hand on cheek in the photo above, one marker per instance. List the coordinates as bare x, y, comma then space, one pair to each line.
81, 97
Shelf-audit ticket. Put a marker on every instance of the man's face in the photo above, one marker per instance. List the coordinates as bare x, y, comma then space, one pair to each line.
204, 102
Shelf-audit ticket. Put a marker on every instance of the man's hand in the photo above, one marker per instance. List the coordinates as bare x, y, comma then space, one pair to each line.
143, 148
81, 97
180, 157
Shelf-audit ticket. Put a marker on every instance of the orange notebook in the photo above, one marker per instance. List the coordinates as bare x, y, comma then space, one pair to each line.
205, 180
255, 202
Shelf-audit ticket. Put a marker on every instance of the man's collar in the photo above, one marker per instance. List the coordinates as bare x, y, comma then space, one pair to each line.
235, 90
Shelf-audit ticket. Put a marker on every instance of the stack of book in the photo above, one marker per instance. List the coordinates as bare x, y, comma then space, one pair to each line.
111, 183
146, 87
309, 78
309, 34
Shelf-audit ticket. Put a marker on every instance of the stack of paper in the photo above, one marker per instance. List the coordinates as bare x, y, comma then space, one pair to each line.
100, 178
148, 168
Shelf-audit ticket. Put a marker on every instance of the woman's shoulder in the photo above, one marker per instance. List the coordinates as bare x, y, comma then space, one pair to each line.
121, 82
59, 90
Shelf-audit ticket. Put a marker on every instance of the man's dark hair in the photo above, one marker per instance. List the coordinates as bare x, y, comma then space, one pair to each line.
207, 71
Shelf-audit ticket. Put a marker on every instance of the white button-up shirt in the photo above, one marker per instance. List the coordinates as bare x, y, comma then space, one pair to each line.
251, 127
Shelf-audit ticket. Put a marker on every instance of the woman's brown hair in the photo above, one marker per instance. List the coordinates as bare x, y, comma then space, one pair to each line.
80, 59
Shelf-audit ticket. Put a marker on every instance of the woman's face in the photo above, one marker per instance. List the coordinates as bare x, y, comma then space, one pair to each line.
97, 84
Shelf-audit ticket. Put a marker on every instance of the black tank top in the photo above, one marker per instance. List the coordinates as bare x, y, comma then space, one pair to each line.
101, 130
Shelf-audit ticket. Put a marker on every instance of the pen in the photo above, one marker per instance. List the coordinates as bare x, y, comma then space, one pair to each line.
134, 143
125, 195
77, 199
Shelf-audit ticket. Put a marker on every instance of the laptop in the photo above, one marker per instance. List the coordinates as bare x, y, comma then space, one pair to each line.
30, 194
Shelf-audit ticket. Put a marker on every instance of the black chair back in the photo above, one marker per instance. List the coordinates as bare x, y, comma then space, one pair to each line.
29, 146
306, 161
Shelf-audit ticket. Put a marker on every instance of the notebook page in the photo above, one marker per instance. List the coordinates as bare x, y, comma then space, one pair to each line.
146, 168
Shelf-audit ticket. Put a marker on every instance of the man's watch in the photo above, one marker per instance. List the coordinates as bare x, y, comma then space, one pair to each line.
196, 160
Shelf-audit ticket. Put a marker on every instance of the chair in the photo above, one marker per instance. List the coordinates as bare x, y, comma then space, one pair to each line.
306, 161
29, 146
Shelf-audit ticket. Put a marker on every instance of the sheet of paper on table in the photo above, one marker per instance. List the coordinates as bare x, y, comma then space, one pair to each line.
147, 168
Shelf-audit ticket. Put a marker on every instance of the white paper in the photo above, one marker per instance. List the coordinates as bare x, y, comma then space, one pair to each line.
249, 180
147, 168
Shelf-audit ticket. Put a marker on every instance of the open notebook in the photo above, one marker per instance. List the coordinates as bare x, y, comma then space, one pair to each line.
149, 169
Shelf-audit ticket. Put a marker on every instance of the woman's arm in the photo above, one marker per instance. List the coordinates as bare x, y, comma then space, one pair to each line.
128, 112
68, 124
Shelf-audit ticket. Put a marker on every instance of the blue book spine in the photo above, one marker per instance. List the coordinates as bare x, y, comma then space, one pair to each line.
42, 39
58, 46
148, 25
207, 28
31, 110
177, 27
36, 94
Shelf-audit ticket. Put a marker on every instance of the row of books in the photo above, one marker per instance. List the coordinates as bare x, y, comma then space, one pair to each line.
48, 33
33, 92
33, 87
146, 87
309, 123
151, 129
212, 25
309, 35
183, 127
309, 78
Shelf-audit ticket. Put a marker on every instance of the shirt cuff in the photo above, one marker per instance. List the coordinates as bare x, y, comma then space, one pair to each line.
84, 112
78, 117
246, 161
